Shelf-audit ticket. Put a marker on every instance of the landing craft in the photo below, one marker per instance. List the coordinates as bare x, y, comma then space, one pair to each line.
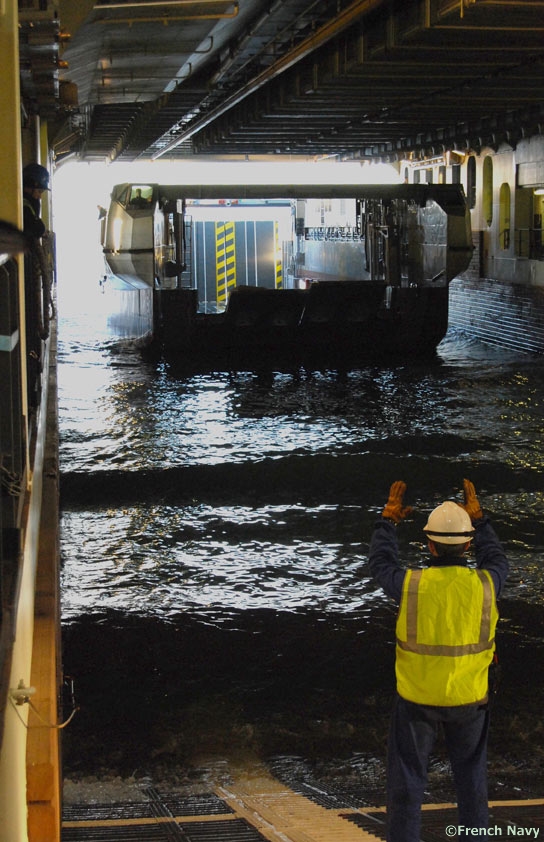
311, 272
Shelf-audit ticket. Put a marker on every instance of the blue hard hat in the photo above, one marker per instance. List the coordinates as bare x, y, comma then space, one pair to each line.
36, 176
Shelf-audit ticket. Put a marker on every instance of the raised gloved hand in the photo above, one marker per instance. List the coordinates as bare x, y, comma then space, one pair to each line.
471, 505
394, 509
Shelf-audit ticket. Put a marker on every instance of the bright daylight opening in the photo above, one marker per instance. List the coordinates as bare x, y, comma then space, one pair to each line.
80, 189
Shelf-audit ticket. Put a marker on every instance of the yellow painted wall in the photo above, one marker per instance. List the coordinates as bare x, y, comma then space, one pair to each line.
10, 131
13, 807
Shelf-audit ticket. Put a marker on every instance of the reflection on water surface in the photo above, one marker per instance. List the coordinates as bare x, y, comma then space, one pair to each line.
252, 489
215, 531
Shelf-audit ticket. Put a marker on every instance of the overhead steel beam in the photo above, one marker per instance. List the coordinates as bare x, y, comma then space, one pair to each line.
138, 4
333, 27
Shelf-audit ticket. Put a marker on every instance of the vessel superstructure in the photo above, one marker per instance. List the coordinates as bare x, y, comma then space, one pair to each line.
357, 270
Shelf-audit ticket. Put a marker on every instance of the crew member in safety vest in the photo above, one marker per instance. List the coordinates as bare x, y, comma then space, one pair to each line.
445, 645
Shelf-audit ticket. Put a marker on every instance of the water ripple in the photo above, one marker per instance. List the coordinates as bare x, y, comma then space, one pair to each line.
259, 489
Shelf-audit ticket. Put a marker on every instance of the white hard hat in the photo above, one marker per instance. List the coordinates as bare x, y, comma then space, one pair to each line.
449, 523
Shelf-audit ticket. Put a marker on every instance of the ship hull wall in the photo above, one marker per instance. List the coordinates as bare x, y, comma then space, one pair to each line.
505, 314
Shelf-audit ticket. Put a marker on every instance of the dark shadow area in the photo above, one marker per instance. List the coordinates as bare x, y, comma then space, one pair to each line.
309, 693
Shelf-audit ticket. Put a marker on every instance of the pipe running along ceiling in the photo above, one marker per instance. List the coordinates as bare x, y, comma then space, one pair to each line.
366, 79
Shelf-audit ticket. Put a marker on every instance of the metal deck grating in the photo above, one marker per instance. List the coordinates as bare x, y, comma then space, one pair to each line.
336, 797
371, 823
435, 821
163, 817
107, 812
237, 830
331, 794
526, 815
126, 833
254, 806
198, 805
168, 804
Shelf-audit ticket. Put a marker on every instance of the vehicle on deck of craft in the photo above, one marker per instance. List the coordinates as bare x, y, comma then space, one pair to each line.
318, 271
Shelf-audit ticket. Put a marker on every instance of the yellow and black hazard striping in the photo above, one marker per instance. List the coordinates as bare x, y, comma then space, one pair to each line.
225, 259
278, 257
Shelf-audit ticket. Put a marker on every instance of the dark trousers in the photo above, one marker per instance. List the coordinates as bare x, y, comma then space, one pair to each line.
412, 735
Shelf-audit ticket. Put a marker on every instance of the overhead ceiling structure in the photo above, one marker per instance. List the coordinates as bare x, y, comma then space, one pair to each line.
357, 79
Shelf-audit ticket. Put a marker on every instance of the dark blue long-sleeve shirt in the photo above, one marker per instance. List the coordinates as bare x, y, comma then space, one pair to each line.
386, 570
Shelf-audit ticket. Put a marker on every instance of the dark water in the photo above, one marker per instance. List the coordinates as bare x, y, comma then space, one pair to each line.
215, 531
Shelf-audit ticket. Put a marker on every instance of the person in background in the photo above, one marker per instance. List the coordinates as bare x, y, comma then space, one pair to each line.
138, 200
445, 645
35, 181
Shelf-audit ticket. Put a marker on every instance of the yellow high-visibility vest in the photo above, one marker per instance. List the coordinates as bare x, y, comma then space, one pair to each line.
445, 635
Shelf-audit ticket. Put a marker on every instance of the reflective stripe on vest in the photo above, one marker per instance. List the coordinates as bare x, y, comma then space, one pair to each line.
445, 635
